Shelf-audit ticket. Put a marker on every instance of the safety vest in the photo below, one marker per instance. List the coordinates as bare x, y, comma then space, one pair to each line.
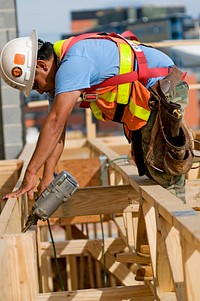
124, 97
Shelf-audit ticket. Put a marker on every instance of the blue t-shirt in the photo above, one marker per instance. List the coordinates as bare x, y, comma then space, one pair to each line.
89, 62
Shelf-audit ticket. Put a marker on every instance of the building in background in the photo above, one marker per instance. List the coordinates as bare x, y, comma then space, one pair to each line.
149, 23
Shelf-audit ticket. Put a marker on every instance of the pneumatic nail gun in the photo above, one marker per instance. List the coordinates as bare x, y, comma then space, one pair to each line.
58, 191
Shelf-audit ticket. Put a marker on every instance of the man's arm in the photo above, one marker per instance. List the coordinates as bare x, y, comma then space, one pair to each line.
50, 164
50, 134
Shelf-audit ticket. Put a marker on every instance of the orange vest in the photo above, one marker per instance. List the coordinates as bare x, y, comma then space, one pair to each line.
124, 97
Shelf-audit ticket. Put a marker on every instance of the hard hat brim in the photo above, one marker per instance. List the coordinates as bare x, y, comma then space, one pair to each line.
34, 41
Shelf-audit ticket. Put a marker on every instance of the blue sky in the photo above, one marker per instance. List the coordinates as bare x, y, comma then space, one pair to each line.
51, 18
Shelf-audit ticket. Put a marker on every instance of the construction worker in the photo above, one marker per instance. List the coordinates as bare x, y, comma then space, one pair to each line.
82, 67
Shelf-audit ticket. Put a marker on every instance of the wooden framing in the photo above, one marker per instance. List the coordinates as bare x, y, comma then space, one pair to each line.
102, 227
170, 228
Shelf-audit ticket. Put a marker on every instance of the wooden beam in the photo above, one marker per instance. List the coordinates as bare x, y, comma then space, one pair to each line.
101, 148
170, 296
38, 104
10, 219
171, 237
130, 257
99, 200
171, 43
79, 246
66, 221
136, 293
18, 277
90, 125
191, 260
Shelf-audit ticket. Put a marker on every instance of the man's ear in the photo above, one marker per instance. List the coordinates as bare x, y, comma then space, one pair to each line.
42, 64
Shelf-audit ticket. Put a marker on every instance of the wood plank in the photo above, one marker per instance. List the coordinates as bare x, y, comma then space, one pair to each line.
101, 148
166, 281
119, 221
71, 267
112, 141
90, 125
89, 201
45, 278
10, 219
136, 293
86, 171
193, 192
99, 200
12, 164
18, 277
65, 221
130, 257
173, 246
79, 246
170, 296
130, 231
9, 175
191, 259
151, 228
38, 104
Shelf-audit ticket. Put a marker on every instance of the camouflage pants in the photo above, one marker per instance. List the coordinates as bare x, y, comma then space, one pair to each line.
175, 184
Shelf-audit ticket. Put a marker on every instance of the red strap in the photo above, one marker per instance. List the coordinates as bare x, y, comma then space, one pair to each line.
128, 34
128, 78
89, 35
79, 38
143, 74
122, 79
143, 70
84, 104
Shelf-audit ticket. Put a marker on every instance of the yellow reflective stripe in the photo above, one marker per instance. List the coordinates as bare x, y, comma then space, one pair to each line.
138, 111
57, 47
96, 111
125, 67
109, 96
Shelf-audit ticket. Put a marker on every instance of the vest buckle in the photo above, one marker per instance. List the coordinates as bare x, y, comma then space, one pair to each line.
90, 96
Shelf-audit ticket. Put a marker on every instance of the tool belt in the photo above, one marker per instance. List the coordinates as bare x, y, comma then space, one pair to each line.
171, 147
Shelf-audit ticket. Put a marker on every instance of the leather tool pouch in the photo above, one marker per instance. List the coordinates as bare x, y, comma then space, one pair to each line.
171, 147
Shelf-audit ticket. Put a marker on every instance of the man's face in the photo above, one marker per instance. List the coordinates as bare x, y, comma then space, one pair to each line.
45, 77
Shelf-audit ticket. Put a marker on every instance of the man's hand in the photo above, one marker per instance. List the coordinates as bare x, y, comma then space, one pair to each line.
44, 183
28, 185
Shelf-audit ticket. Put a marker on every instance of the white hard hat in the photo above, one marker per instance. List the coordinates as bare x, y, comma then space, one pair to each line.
18, 62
